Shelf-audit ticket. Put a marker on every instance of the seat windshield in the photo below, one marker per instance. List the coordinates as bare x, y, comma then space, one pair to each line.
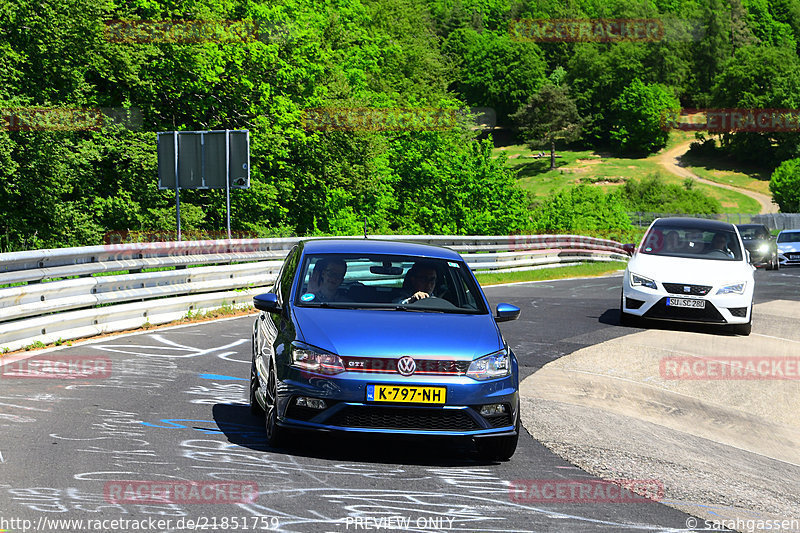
692, 243
750, 233
392, 282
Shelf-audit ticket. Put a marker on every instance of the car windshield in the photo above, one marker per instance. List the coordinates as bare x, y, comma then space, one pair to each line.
694, 243
789, 236
394, 282
750, 233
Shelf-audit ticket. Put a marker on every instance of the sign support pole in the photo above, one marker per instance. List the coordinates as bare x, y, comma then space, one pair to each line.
177, 189
228, 179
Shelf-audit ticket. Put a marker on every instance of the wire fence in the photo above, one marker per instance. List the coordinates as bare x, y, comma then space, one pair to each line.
773, 221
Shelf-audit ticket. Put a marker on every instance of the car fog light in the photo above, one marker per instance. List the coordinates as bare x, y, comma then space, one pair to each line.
493, 409
313, 403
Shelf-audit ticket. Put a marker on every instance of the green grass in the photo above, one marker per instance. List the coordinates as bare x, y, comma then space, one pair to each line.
582, 270
606, 171
721, 170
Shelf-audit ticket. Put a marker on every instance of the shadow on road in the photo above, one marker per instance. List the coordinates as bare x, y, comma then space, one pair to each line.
248, 431
611, 317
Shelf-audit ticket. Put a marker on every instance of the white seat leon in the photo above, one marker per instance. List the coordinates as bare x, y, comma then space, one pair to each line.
689, 270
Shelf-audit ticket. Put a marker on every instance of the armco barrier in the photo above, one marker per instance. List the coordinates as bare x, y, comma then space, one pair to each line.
59, 296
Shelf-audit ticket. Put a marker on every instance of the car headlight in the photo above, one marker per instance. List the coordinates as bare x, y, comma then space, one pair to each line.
641, 281
734, 288
306, 358
764, 248
495, 365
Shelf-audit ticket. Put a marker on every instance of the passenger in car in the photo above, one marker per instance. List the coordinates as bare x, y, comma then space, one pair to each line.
419, 282
326, 277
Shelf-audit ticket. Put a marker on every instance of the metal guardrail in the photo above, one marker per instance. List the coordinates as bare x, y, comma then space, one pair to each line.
76, 302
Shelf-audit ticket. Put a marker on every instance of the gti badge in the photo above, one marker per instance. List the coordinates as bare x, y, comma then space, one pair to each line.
406, 366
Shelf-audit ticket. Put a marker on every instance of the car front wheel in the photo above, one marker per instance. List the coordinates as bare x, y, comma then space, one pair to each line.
276, 435
498, 448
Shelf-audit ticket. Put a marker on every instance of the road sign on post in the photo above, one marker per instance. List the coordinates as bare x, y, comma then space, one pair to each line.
217, 159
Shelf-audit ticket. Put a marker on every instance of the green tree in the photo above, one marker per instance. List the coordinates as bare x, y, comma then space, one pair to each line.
549, 116
638, 125
785, 186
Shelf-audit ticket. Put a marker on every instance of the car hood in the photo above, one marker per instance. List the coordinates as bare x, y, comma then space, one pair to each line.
390, 333
694, 271
789, 247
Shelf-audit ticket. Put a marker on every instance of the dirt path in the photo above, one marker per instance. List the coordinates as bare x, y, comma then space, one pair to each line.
670, 160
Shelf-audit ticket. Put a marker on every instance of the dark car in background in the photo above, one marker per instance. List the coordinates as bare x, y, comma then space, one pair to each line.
761, 244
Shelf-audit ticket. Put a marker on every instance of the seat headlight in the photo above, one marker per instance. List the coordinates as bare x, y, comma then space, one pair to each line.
764, 248
734, 288
641, 281
492, 366
307, 358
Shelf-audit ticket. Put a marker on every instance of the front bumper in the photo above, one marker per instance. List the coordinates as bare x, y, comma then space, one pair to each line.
347, 409
789, 258
719, 309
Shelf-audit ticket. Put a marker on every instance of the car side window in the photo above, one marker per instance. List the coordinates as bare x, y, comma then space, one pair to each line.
283, 285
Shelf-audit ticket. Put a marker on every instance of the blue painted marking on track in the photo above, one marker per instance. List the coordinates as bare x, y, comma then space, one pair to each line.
220, 377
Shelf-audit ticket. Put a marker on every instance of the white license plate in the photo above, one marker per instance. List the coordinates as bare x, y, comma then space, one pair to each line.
686, 302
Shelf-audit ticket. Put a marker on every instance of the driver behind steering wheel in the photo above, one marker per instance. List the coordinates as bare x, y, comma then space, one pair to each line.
419, 282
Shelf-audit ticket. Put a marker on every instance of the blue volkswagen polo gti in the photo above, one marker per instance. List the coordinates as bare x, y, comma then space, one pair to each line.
374, 336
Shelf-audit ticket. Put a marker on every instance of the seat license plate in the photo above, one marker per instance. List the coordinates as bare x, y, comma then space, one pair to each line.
404, 394
686, 302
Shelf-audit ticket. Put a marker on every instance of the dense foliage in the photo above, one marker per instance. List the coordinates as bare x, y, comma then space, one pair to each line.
72, 187
652, 194
785, 186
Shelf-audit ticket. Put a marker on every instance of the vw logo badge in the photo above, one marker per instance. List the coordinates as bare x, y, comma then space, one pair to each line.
406, 366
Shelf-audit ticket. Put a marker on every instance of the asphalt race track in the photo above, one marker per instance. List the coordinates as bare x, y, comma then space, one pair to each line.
173, 409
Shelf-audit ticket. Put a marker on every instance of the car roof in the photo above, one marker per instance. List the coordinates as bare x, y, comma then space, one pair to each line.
746, 226
377, 246
790, 231
696, 223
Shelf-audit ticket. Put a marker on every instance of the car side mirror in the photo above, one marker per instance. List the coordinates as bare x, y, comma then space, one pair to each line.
267, 302
506, 312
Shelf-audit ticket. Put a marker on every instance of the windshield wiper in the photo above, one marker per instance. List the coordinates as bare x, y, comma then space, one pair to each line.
416, 309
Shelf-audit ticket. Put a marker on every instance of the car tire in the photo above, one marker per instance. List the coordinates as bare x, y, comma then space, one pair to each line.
498, 448
626, 319
255, 407
745, 329
276, 435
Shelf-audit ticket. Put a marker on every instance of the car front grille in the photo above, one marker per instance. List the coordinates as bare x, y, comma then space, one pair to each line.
374, 417
662, 311
433, 367
680, 288
499, 421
